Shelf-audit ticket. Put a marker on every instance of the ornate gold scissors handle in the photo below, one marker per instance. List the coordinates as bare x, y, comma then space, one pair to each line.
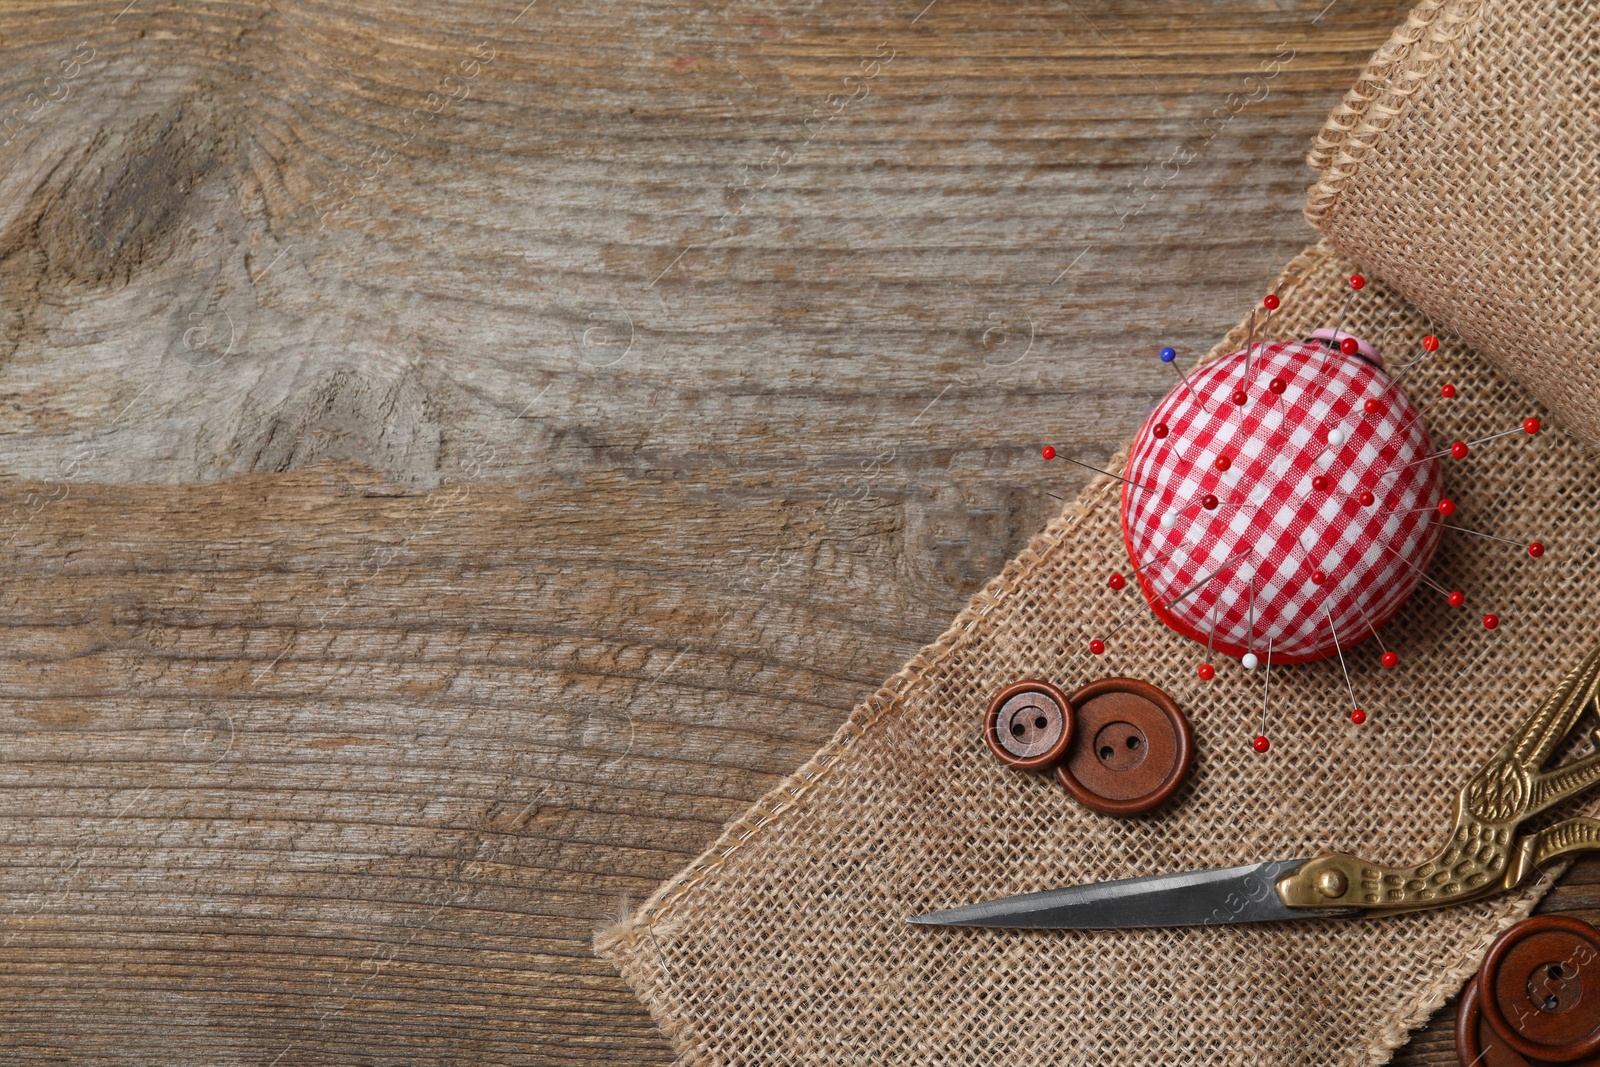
1484, 855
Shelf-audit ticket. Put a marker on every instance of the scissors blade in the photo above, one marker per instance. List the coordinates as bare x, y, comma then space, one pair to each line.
1245, 894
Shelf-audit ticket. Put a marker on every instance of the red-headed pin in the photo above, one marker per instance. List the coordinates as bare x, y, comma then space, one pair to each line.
1358, 716
1116, 581
1530, 426
1206, 672
1261, 744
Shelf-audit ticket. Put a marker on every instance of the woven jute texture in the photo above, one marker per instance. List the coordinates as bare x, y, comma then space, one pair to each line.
785, 942
1463, 169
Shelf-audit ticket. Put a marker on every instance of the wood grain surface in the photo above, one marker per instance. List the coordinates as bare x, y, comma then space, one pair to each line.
459, 456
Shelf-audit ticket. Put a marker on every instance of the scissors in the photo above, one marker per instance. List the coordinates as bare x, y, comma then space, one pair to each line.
1484, 855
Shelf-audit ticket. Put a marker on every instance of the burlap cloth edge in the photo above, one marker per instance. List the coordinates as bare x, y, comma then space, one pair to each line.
789, 795
1409, 60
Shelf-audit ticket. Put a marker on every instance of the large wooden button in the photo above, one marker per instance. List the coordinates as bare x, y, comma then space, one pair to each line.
1539, 988
1476, 1041
1029, 724
1130, 750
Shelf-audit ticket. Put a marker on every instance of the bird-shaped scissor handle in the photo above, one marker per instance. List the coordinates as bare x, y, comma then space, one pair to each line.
1484, 855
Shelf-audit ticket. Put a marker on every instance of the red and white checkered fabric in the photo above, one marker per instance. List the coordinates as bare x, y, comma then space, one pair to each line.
1270, 529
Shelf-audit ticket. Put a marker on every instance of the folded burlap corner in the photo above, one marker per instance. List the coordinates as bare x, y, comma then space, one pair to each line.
785, 942
1463, 169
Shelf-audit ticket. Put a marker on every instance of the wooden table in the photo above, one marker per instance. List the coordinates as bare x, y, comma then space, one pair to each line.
459, 457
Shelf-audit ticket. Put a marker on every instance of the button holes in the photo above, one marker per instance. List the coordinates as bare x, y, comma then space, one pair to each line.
1040, 723
1133, 743
1017, 729
1107, 752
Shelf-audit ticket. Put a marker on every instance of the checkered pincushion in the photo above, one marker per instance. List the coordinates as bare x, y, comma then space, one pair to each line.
1269, 532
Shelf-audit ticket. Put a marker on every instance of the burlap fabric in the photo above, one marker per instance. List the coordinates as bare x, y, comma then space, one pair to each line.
784, 942
1463, 169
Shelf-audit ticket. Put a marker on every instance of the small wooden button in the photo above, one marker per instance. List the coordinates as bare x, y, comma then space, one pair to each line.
1131, 747
1029, 725
1476, 1041
1539, 988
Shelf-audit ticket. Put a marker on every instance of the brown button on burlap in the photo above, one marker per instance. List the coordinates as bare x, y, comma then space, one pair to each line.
1476, 1041
1028, 725
1537, 996
1130, 750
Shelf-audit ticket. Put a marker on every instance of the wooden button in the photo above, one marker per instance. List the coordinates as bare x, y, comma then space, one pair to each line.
1130, 750
1029, 725
1539, 989
1476, 1041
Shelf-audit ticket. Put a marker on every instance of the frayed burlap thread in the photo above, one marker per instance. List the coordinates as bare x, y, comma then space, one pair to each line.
785, 942
1463, 170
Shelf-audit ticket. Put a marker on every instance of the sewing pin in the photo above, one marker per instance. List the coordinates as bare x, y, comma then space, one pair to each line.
1460, 449
1455, 599
1356, 282
1430, 344
1098, 645
1390, 659
1249, 660
1049, 453
1534, 548
1241, 395
1261, 744
1207, 671
1170, 355
1415, 415
1357, 716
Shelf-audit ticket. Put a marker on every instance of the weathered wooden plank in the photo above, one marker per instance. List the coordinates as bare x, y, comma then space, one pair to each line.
256, 773
640, 236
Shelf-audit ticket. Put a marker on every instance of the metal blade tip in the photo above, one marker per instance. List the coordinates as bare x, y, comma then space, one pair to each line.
1184, 898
